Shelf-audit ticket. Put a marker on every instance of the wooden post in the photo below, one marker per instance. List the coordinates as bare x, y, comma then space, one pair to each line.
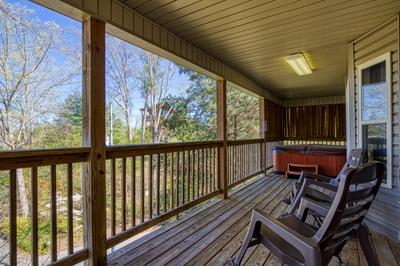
261, 107
94, 203
222, 135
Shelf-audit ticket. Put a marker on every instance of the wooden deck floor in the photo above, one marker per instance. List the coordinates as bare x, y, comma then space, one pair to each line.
213, 232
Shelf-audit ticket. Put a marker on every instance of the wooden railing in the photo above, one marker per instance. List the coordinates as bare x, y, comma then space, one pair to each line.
269, 146
148, 184
60, 167
244, 160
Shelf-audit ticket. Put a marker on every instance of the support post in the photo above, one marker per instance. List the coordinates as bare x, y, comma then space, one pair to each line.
222, 135
94, 131
261, 107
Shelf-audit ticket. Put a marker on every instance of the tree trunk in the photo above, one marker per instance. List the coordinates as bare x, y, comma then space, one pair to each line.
22, 193
128, 127
144, 116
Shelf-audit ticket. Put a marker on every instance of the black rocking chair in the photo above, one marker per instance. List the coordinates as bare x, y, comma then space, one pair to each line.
297, 243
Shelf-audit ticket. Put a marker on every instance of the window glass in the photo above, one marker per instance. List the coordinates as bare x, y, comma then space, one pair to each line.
375, 142
374, 92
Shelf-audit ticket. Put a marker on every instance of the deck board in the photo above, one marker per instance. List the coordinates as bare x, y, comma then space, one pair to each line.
212, 232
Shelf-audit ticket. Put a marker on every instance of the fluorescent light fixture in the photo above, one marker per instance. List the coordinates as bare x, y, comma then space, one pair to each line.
299, 64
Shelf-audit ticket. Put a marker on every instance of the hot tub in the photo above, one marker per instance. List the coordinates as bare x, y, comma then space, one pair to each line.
330, 159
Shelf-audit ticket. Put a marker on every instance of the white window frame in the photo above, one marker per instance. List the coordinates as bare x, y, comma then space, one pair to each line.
387, 59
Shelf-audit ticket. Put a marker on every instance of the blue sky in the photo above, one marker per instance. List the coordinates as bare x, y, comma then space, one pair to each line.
179, 82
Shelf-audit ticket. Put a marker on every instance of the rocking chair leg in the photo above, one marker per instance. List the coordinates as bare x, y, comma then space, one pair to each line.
253, 230
366, 245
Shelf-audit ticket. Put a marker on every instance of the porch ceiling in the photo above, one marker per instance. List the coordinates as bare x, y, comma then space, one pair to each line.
254, 36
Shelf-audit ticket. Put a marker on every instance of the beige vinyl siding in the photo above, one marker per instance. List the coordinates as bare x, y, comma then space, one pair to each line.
377, 43
384, 215
315, 101
128, 24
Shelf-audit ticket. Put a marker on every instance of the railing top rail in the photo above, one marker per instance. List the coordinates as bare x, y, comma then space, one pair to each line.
42, 152
245, 141
31, 158
120, 151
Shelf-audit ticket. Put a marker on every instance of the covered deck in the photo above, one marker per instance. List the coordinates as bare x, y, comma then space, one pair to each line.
128, 194
212, 233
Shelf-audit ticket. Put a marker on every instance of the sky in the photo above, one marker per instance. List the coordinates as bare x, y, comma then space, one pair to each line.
179, 82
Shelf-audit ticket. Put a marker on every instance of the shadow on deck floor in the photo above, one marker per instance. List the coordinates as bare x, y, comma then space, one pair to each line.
212, 233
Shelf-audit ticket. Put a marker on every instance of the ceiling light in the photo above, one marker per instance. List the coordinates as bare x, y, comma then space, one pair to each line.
299, 64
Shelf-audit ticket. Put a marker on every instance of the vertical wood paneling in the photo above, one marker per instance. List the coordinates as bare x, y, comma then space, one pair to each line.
317, 122
274, 116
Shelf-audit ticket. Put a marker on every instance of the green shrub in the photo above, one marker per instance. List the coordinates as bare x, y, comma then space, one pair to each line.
24, 229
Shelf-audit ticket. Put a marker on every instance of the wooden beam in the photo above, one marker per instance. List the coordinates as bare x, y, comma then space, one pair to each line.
94, 202
222, 135
261, 108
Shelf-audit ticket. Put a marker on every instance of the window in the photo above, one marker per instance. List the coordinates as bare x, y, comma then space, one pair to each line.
374, 126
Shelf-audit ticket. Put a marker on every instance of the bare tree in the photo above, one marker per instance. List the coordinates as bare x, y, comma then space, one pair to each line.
121, 70
29, 77
156, 85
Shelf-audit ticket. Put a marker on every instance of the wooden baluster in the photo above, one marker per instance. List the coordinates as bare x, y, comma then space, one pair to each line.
211, 168
215, 169
158, 186
123, 194
142, 188
177, 177
198, 173
206, 170
183, 176
245, 160
34, 216
230, 159
233, 148
203, 173
13, 217
113, 198
171, 183
133, 192
70, 209
150, 186
239, 147
193, 173
53, 200
188, 176
165, 181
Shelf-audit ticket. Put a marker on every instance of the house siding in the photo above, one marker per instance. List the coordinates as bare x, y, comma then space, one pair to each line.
385, 213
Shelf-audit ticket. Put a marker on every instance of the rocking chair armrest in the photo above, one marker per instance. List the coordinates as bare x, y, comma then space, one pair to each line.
302, 243
311, 182
303, 191
310, 175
